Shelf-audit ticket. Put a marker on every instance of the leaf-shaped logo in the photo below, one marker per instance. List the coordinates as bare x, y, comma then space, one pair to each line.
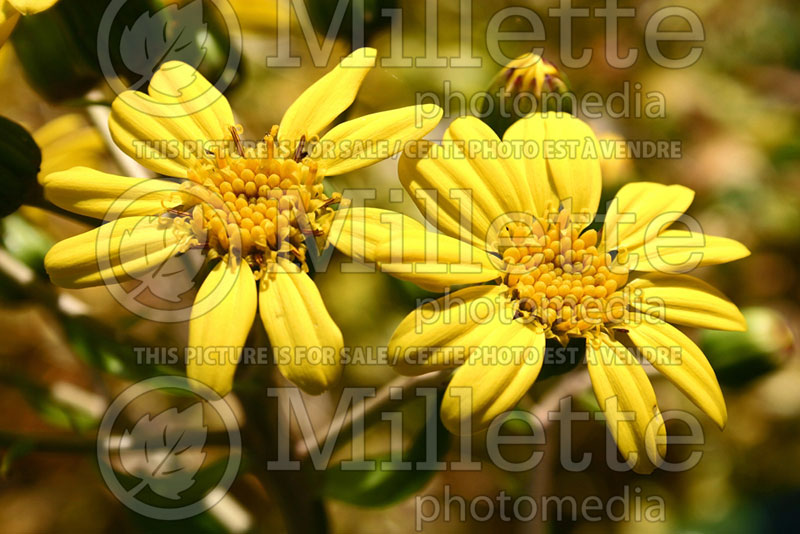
172, 33
166, 457
167, 274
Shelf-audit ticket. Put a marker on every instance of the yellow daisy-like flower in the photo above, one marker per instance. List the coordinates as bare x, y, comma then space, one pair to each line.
513, 215
10, 10
254, 207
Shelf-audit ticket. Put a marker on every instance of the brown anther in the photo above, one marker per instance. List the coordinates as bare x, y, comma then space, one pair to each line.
335, 199
300, 152
237, 140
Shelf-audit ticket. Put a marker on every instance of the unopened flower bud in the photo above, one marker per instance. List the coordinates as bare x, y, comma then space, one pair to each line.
527, 84
20, 159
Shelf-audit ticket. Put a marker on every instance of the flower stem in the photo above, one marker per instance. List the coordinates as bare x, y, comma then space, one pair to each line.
374, 405
294, 491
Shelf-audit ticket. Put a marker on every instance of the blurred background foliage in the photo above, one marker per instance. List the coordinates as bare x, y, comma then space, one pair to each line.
65, 354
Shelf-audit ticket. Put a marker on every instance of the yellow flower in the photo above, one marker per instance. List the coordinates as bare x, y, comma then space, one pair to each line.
66, 140
256, 16
10, 10
514, 230
254, 207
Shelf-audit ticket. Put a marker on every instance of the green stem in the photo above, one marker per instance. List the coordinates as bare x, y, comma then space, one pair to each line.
377, 404
294, 491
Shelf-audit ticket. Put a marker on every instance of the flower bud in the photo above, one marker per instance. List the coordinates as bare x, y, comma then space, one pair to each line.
527, 84
20, 159
58, 48
52, 48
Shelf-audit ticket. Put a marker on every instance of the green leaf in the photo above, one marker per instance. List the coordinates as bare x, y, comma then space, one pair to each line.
20, 160
383, 486
100, 350
174, 472
26, 242
207, 479
51, 410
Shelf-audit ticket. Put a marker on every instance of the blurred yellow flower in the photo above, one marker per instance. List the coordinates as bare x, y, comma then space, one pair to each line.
521, 222
252, 205
65, 141
10, 10
256, 16
69, 140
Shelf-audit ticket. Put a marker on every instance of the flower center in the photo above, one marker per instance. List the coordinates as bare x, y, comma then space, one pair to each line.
558, 277
258, 203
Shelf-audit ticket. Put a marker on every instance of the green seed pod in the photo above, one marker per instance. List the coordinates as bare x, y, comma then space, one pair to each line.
20, 160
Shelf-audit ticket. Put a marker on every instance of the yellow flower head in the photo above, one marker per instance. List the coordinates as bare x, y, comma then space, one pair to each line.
514, 218
252, 205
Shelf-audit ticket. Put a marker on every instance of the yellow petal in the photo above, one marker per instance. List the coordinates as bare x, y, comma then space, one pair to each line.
449, 192
529, 132
627, 398
103, 196
357, 232
479, 145
327, 98
181, 116
31, 7
305, 340
439, 334
402, 247
8, 20
676, 357
125, 249
224, 310
69, 141
686, 300
360, 142
435, 261
573, 159
491, 383
679, 251
641, 211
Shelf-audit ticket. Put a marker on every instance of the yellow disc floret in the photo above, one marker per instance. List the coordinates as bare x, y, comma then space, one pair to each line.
259, 204
557, 276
